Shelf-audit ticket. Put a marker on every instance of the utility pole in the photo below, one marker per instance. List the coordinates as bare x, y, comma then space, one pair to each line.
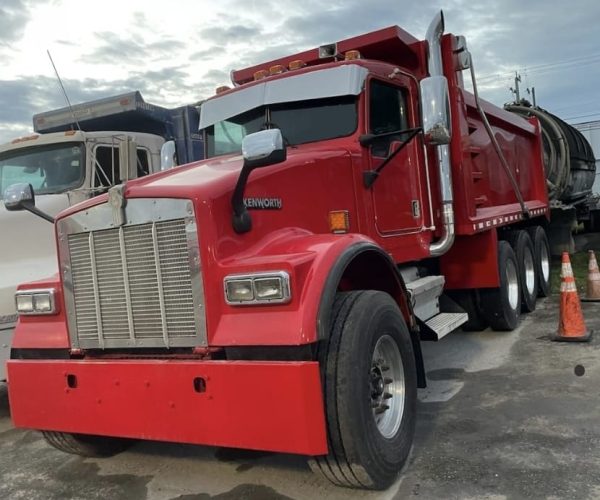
532, 93
515, 90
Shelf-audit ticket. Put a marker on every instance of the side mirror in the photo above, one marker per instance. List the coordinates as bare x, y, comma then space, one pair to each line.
263, 148
17, 196
22, 197
127, 159
435, 106
259, 150
168, 155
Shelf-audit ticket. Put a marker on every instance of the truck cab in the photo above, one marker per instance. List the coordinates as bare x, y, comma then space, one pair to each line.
74, 156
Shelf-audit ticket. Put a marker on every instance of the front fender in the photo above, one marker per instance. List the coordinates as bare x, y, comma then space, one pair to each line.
309, 259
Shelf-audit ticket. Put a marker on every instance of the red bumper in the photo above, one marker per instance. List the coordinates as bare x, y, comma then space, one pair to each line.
274, 406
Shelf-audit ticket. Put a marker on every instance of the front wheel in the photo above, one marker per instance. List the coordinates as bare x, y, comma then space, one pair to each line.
370, 390
86, 445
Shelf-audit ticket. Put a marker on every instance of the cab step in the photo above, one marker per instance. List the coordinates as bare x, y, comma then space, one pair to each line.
442, 324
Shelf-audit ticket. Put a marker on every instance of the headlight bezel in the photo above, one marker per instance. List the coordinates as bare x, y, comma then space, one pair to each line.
282, 277
36, 296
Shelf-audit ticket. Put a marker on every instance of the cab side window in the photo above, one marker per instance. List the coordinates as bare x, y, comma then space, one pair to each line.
387, 113
107, 166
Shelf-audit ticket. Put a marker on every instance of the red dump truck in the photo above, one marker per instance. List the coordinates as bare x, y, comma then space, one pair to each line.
355, 200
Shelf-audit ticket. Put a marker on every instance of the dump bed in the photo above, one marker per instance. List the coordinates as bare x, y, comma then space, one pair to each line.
483, 194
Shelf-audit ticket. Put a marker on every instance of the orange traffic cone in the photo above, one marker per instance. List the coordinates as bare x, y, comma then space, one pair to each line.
593, 281
571, 326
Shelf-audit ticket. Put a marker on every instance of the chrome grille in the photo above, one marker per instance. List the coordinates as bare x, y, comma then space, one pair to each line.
135, 285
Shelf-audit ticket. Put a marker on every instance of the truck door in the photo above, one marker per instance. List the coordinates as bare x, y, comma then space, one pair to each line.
397, 201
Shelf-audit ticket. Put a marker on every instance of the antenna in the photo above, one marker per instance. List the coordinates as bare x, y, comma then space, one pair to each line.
64, 91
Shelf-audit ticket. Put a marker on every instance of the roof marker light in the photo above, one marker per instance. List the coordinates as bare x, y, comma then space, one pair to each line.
296, 64
277, 69
260, 74
23, 139
222, 88
351, 55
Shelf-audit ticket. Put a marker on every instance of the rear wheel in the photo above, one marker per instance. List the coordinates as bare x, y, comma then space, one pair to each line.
86, 445
541, 248
502, 306
370, 390
524, 251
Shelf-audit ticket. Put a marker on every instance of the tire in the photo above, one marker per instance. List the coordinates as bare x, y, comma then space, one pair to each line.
470, 301
542, 259
368, 444
523, 247
86, 445
502, 306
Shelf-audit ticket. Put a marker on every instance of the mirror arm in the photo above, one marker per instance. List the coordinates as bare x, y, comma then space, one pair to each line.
370, 176
36, 211
241, 220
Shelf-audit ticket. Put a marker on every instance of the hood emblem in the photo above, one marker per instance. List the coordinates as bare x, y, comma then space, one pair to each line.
117, 201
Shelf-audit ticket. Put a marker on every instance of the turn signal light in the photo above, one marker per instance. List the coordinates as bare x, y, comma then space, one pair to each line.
260, 74
296, 64
277, 69
339, 221
350, 55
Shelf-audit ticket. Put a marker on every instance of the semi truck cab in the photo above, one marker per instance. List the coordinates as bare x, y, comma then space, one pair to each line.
75, 155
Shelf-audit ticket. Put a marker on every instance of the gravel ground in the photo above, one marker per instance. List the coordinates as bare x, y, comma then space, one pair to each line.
506, 415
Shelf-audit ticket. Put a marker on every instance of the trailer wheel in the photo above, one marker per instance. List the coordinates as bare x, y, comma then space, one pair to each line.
542, 258
370, 391
523, 247
86, 445
502, 306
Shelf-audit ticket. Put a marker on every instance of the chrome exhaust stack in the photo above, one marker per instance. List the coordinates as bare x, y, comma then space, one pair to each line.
435, 106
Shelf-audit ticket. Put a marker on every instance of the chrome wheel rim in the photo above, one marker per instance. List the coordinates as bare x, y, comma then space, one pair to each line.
512, 282
545, 263
529, 271
386, 382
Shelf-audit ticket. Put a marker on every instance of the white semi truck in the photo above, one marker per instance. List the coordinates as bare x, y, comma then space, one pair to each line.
77, 153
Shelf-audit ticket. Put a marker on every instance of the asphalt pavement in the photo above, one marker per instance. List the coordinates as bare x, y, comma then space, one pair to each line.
505, 416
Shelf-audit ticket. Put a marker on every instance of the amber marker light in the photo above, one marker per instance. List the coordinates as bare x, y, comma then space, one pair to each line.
222, 88
339, 221
260, 74
296, 64
350, 55
277, 69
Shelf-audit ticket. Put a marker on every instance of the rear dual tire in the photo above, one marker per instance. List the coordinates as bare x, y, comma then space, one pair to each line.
502, 306
525, 253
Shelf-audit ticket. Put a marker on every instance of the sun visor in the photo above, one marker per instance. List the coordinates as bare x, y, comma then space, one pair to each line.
343, 80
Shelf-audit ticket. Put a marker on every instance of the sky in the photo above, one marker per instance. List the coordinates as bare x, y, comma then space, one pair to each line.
178, 52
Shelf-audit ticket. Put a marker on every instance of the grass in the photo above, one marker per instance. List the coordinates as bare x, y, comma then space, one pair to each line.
579, 263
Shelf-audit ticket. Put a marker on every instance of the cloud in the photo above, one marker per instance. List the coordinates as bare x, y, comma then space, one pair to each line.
227, 35
14, 16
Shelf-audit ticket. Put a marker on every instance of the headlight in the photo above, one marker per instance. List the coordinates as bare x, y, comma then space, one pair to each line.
35, 302
259, 288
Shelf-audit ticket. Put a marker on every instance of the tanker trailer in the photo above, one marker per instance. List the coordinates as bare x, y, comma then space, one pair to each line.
570, 168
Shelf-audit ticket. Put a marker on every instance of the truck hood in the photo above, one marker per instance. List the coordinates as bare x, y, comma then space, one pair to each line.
210, 179
28, 248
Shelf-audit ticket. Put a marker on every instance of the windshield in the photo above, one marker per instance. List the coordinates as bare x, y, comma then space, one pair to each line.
49, 169
299, 122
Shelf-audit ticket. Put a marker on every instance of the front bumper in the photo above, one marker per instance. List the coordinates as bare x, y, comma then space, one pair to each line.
275, 406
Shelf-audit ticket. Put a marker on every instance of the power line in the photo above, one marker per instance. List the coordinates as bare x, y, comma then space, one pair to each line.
542, 68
